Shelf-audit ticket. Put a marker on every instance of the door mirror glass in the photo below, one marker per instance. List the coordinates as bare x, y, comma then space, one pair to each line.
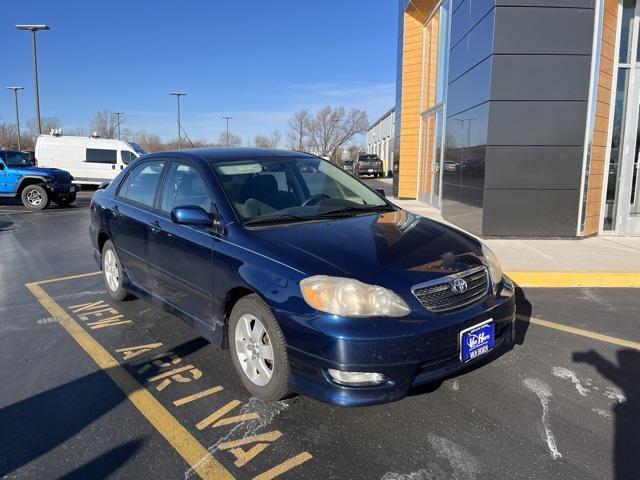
191, 215
1, 166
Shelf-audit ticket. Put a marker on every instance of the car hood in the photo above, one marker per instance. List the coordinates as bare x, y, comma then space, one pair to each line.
396, 249
46, 172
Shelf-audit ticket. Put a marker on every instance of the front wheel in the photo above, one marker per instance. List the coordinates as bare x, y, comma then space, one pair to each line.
112, 272
258, 349
66, 199
35, 197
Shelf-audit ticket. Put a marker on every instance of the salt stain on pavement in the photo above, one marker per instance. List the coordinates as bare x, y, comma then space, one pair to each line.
601, 412
567, 374
613, 393
266, 413
543, 391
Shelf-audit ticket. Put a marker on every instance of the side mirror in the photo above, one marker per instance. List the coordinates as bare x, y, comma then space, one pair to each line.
191, 215
103, 185
381, 192
1, 166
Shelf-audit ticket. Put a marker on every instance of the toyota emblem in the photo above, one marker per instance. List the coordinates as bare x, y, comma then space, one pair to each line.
458, 285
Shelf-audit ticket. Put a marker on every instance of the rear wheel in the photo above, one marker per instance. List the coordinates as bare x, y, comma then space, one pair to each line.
35, 197
66, 199
258, 350
112, 272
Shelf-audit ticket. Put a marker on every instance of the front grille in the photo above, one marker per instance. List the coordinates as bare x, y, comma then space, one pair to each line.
438, 296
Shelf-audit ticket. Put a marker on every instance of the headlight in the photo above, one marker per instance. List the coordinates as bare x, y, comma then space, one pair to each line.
350, 298
495, 271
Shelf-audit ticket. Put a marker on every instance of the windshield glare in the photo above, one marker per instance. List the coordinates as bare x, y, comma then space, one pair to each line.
16, 159
292, 188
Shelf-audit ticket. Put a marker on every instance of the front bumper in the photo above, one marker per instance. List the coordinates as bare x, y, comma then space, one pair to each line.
62, 188
426, 353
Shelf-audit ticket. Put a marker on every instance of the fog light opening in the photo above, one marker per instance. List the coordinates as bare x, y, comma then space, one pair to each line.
356, 379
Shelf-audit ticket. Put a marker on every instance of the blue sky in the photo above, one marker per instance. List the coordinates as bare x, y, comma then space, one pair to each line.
258, 61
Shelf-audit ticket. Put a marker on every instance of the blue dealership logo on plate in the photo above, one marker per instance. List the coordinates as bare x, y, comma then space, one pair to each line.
476, 341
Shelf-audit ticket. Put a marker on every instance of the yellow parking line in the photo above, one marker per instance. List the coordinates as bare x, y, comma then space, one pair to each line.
582, 332
576, 279
197, 396
62, 279
166, 424
284, 466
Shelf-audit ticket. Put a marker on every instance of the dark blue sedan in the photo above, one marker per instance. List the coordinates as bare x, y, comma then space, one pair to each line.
314, 281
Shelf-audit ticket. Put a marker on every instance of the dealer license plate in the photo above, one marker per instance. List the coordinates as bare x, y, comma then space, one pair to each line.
477, 341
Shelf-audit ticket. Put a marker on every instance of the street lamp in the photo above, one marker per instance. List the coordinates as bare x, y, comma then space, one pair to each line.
178, 95
15, 95
34, 29
227, 118
118, 117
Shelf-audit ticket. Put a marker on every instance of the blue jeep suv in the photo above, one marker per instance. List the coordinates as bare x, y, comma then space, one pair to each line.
35, 186
314, 281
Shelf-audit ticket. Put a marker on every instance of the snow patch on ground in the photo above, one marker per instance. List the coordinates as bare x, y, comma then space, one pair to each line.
567, 374
543, 391
456, 385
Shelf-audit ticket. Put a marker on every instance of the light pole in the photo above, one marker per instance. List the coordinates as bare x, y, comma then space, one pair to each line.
34, 29
15, 95
227, 118
118, 117
178, 95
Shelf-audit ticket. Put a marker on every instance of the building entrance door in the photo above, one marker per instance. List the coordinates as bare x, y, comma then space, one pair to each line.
622, 195
429, 181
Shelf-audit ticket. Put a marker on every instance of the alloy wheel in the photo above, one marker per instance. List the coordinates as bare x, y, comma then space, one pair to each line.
254, 349
34, 198
111, 270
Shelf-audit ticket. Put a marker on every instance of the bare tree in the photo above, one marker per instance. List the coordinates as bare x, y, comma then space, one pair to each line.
272, 141
105, 124
9, 135
298, 134
149, 141
30, 136
232, 140
331, 128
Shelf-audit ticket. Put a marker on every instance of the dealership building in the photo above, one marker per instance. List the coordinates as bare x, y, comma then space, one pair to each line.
519, 118
380, 138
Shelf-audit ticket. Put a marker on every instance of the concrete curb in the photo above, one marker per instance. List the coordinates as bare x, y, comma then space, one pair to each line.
576, 279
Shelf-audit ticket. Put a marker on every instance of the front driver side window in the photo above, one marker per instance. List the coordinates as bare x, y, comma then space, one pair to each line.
185, 187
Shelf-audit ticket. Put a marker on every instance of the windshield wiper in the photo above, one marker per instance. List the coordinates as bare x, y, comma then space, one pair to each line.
352, 210
277, 218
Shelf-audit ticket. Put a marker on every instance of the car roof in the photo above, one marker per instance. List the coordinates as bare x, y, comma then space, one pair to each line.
224, 154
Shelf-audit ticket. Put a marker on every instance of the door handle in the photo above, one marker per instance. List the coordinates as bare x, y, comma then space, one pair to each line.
113, 167
115, 212
154, 227
121, 167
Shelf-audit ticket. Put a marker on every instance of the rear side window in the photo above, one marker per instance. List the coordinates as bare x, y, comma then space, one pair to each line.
141, 184
99, 155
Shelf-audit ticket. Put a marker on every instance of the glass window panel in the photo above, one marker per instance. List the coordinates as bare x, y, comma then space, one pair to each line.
617, 136
626, 32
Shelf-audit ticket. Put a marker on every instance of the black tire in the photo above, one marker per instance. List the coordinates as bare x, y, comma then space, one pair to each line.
119, 293
278, 386
35, 197
66, 199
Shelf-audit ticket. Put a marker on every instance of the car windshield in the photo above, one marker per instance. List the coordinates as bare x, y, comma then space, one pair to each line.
137, 148
16, 159
289, 189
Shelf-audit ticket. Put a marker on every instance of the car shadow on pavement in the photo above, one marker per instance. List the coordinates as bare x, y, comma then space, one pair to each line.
36, 425
523, 315
626, 376
5, 225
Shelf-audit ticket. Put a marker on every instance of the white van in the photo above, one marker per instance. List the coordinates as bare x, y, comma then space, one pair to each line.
90, 160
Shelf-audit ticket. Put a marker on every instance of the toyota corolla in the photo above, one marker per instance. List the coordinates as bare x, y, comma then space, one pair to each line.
314, 282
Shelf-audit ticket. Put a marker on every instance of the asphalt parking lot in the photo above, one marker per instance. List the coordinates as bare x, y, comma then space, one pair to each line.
94, 389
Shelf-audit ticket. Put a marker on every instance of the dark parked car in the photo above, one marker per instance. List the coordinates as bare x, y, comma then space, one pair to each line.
314, 281
368, 165
347, 165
